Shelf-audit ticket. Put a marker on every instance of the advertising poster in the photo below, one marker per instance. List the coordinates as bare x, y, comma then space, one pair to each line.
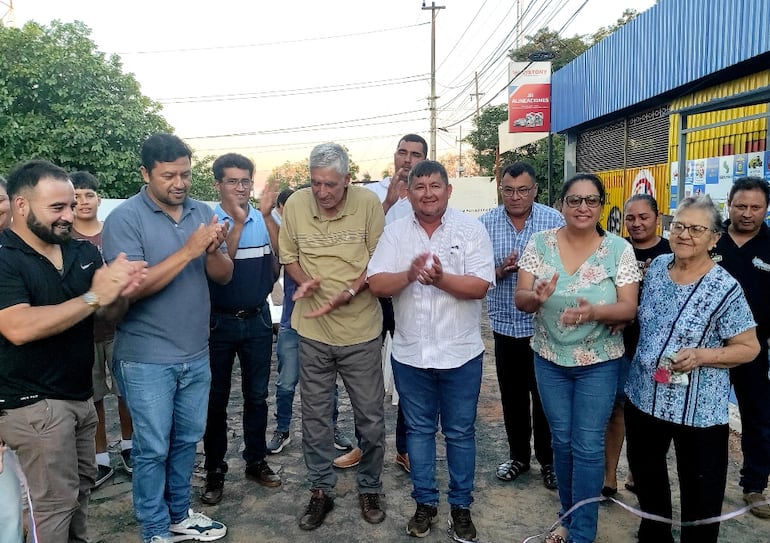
756, 165
529, 97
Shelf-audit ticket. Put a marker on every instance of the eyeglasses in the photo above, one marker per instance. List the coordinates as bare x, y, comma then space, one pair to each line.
576, 201
522, 192
695, 230
245, 183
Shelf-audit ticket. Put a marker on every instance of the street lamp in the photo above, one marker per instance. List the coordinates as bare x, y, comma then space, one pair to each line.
543, 56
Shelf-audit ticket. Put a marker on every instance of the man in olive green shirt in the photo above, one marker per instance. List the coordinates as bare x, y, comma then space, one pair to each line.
328, 234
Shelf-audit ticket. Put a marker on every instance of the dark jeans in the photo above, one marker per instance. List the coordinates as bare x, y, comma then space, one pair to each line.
251, 338
516, 376
752, 388
701, 463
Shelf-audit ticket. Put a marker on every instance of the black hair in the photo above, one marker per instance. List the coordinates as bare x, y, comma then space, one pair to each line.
518, 168
163, 148
283, 196
231, 160
84, 180
28, 174
414, 138
750, 183
427, 168
644, 198
592, 178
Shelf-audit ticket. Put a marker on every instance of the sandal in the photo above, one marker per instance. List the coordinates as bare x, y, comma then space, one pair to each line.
549, 477
556, 537
510, 470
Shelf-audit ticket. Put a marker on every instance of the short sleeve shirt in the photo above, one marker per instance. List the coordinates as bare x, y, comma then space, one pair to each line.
673, 317
172, 325
612, 265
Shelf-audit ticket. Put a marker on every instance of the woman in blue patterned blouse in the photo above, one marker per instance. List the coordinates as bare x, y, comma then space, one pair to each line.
695, 324
579, 281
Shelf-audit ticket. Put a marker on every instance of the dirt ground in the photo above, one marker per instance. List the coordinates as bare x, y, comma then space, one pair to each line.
502, 512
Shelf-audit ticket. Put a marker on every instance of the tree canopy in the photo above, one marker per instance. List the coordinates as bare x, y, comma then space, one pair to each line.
293, 174
64, 101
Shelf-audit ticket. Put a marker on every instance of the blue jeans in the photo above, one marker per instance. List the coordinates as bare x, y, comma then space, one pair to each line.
287, 352
425, 395
577, 402
251, 338
168, 407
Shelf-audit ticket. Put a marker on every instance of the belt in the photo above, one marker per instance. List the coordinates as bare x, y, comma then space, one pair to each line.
237, 313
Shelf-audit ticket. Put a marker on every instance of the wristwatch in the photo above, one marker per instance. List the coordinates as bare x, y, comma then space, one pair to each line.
91, 299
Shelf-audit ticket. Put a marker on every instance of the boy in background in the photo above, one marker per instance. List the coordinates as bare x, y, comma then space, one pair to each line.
88, 227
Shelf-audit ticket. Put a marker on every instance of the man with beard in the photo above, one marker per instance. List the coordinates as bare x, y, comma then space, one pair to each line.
50, 288
745, 253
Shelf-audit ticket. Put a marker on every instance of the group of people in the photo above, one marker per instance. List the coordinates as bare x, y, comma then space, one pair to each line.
583, 353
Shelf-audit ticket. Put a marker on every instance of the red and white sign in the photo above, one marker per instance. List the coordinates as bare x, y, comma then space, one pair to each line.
529, 97
644, 183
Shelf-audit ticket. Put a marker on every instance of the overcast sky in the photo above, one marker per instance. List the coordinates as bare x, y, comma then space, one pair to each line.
272, 79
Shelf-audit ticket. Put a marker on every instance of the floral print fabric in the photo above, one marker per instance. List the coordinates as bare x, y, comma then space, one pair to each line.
612, 265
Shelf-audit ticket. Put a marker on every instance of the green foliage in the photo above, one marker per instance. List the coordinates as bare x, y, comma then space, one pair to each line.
483, 138
565, 49
627, 16
202, 187
62, 100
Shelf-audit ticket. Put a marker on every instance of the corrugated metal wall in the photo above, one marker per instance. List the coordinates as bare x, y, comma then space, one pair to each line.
670, 45
736, 138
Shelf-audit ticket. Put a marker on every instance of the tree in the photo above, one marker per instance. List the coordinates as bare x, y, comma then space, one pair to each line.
62, 100
627, 16
451, 162
565, 49
202, 187
483, 138
290, 174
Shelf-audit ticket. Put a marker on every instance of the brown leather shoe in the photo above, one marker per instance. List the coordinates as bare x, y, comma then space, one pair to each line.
348, 460
403, 461
215, 484
370, 508
316, 511
261, 473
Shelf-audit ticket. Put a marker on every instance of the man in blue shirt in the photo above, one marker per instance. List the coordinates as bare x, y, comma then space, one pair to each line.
241, 324
161, 357
510, 226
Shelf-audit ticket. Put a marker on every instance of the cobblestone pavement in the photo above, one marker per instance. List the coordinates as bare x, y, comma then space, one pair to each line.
502, 512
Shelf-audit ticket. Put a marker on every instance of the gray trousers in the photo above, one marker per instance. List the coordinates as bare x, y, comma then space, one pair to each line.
360, 367
54, 441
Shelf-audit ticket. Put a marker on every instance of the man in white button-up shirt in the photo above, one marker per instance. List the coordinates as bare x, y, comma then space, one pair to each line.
437, 264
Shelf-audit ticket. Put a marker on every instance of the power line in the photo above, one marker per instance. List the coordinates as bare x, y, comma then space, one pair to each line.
266, 44
294, 92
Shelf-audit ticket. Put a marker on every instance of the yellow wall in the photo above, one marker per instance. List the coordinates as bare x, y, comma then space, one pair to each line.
711, 142
619, 185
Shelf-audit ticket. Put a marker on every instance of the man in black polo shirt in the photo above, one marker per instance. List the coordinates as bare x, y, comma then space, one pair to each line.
745, 253
50, 287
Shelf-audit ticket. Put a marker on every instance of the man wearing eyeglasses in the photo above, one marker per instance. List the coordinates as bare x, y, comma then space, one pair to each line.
241, 324
745, 252
510, 226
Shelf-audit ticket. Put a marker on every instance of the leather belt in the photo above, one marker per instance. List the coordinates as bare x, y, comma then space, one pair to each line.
237, 313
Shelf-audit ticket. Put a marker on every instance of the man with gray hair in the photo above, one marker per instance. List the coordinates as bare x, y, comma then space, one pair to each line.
329, 232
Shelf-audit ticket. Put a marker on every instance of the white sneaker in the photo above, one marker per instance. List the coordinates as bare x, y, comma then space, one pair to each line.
198, 527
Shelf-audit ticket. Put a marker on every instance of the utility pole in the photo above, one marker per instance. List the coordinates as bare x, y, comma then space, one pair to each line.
7, 15
477, 94
460, 169
432, 100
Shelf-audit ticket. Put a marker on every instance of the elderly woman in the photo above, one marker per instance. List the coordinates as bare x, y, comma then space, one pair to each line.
642, 219
579, 281
695, 324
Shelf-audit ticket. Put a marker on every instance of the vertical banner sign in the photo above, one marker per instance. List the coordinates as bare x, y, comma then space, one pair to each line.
529, 97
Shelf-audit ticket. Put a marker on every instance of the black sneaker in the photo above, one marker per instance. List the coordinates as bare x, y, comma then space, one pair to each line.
103, 473
319, 506
419, 525
341, 441
125, 460
215, 486
549, 477
462, 526
278, 442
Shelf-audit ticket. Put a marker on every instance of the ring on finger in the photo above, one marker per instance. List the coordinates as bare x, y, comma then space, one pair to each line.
580, 318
